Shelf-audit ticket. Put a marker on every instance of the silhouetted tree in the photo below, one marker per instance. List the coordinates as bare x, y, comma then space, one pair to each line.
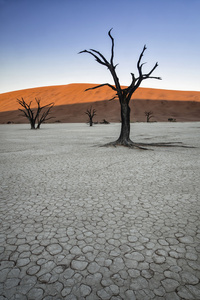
172, 120
91, 113
35, 115
123, 94
104, 122
149, 115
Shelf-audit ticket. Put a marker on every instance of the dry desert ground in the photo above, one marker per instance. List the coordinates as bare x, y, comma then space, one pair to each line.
80, 221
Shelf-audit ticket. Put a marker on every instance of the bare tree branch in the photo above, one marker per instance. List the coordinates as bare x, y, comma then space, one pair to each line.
156, 65
152, 77
110, 65
95, 56
91, 113
115, 97
112, 48
28, 113
101, 55
25, 114
98, 86
34, 115
44, 118
124, 94
149, 115
137, 81
139, 66
139, 61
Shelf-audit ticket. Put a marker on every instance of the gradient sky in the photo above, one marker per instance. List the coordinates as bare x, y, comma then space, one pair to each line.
40, 39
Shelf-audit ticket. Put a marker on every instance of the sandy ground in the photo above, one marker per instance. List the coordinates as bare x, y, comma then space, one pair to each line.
71, 102
181, 111
80, 221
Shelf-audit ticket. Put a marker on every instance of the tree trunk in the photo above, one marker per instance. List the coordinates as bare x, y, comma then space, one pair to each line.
124, 138
91, 122
32, 124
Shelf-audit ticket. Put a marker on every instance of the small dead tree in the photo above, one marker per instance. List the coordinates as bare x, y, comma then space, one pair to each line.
149, 115
123, 94
104, 122
91, 113
36, 115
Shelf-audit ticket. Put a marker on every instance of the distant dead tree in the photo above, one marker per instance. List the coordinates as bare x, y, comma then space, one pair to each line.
123, 94
36, 115
91, 113
149, 115
104, 122
172, 120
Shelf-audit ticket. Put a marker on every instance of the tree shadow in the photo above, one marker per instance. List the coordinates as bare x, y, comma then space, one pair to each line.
143, 146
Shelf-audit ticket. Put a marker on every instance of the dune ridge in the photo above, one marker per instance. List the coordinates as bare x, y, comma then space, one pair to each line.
72, 100
75, 93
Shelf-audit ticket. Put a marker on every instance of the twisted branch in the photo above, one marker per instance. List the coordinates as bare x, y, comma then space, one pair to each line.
123, 94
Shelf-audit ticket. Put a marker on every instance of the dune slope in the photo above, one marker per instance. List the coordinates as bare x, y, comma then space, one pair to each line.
72, 100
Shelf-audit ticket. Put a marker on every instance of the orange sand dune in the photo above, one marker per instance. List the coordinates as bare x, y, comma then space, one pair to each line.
72, 100
75, 93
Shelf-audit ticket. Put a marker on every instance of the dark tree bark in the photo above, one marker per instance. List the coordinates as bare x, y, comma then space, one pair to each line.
42, 118
124, 95
124, 138
34, 115
149, 115
91, 113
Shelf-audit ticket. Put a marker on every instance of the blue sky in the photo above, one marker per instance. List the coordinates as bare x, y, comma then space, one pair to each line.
40, 39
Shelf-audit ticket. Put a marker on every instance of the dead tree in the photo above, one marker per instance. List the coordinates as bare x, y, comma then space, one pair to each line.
104, 122
42, 116
91, 113
149, 115
123, 94
35, 115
